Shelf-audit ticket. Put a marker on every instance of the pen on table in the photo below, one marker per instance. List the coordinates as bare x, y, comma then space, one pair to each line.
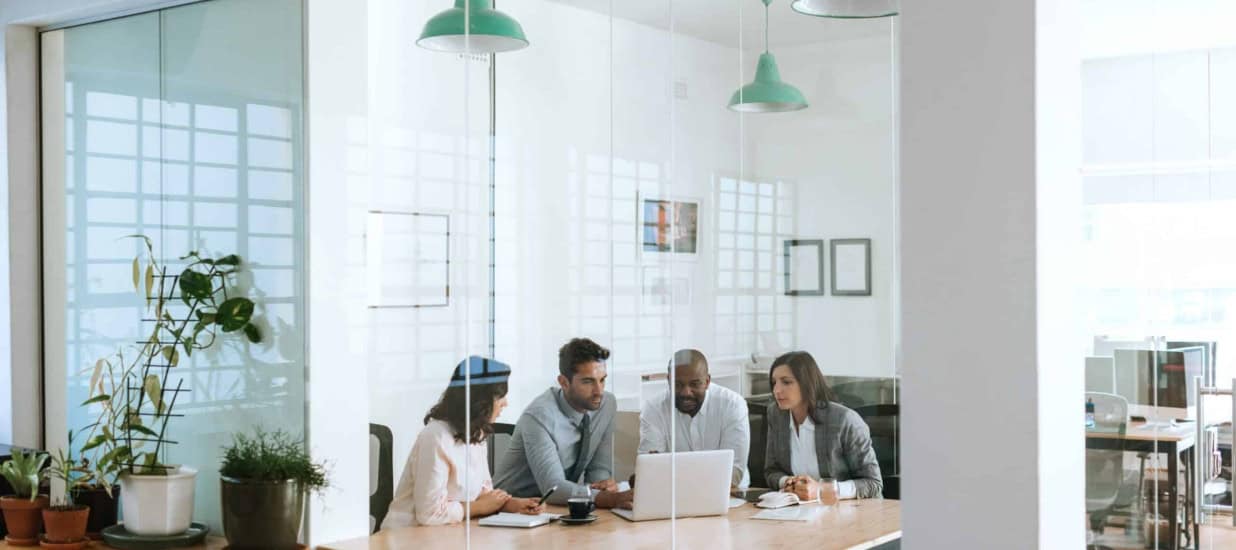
546, 497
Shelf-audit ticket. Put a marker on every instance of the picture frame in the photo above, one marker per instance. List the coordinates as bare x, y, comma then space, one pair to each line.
668, 226
407, 257
850, 261
803, 267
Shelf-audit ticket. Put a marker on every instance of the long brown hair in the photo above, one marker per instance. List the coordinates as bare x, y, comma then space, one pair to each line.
450, 409
810, 380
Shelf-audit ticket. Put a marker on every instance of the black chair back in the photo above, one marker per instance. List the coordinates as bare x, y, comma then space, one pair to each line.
383, 491
757, 410
498, 442
884, 422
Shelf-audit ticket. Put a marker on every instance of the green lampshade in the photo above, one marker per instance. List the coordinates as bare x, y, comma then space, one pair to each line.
767, 93
489, 30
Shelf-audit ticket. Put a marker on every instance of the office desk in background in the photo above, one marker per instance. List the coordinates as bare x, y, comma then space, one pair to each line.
850, 525
1171, 440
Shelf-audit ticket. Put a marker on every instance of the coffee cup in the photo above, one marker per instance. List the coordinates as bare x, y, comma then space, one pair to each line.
580, 507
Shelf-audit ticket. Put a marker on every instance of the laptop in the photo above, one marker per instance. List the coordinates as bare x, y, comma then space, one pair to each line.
701, 480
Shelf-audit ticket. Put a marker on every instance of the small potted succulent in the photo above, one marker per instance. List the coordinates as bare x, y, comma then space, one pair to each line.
264, 479
21, 510
65, 519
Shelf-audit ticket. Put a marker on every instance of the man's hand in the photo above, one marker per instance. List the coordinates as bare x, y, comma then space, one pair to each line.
606, 485
614, 499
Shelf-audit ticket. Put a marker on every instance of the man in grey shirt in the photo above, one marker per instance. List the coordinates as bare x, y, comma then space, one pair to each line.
565, 438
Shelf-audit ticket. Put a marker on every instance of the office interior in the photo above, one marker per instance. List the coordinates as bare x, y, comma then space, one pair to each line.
399, 209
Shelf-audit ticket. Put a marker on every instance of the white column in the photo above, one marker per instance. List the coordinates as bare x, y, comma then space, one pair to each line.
336, 59
992, 447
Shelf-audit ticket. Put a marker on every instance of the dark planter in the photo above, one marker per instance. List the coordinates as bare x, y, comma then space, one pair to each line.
261, 514
102, 510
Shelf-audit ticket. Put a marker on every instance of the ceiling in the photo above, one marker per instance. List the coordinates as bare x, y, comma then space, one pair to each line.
718, 21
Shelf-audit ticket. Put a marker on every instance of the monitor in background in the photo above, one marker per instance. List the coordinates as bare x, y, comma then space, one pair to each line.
1158, 384
1100, 375
1208, 370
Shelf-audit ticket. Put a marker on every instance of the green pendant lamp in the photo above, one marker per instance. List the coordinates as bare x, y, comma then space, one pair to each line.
488, 30
846, 9
767, 93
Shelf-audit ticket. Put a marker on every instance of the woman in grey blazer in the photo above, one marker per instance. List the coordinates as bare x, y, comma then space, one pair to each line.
816, 446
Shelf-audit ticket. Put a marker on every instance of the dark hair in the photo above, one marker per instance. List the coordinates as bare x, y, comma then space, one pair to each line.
693, 357
807, 373
577, 352
450, 409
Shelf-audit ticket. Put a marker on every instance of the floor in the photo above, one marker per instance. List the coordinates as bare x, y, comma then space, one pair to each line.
1217, 534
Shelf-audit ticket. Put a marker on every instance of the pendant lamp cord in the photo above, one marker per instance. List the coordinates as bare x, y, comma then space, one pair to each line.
765, 27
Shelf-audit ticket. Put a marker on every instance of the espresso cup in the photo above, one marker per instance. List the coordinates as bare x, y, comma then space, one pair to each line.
579, 508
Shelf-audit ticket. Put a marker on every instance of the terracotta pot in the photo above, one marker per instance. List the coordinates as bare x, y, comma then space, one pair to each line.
21, 516
66, 524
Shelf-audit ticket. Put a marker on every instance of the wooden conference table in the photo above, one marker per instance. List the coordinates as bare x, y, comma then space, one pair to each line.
850, 525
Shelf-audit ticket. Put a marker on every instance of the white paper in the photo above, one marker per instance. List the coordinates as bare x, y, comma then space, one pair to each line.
623, 486
736, 502
507, 519
791, 513
851, 267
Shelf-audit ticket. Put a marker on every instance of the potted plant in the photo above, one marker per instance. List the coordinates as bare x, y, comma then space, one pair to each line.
21, 510
263, 482
65, 519
130, 438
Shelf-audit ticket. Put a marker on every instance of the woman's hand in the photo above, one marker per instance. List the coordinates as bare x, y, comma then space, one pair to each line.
489, 502
522, 506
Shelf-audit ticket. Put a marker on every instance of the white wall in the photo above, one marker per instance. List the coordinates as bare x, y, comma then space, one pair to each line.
989, 152
840, 153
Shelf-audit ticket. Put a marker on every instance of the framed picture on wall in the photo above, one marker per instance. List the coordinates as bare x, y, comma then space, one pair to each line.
667, 225
851, 266
803, 267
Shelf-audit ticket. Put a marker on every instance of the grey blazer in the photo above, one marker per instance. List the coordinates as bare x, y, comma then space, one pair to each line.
842, 445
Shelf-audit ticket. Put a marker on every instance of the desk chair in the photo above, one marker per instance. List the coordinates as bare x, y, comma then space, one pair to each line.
757, 409
1104, 469
381, 474
498, 442
884, 421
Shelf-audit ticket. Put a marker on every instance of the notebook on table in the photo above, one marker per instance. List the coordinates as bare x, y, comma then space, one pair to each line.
781, 499
507, 519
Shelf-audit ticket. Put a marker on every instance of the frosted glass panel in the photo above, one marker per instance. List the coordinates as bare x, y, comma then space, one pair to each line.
163, 111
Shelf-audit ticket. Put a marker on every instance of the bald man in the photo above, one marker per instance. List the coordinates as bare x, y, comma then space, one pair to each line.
705, 417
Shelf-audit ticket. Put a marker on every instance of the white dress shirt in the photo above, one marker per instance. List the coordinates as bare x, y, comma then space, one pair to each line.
805, 462
721, 423
434, 485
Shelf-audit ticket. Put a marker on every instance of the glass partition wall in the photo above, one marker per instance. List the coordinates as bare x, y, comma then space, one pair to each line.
1157, 79
174, 137
586, 231
608, 181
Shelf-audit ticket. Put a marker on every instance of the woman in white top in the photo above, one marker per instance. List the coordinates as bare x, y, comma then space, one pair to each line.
446, 470
817, 448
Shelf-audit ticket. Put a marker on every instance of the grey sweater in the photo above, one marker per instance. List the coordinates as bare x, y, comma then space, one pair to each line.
842, 446
545, 444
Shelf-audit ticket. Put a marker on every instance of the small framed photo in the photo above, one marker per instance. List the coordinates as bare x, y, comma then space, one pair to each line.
851, 266
669, 225
803, 262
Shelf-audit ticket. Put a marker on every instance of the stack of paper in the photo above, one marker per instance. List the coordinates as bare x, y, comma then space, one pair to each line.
506, 519
780, 499
795, 513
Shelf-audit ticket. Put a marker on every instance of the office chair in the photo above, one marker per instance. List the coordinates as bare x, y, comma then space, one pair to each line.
884, 421
498, 442
1104, 469
381, 474
757, 409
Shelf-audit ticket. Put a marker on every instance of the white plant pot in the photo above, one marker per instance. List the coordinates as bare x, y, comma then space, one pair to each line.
158, 505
